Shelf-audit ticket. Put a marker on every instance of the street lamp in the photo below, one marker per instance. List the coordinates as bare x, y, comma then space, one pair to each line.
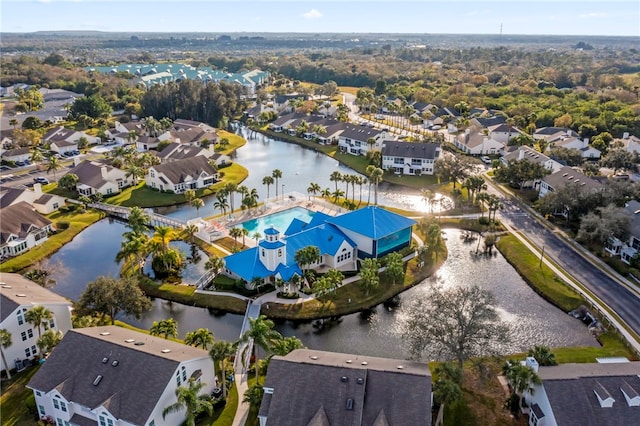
283, 192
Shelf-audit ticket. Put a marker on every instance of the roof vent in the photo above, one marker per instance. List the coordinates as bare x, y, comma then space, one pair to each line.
360, 381
105, 360
348, 361
129, 341
364, 363
313, 357
139, 343
344, 379
115, 363
21, 295
105, 333
349, 404
96, 382
400, 367
5, 286
630, 394
604, 397
165, 351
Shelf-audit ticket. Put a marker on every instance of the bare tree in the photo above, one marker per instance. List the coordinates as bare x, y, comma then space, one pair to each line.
457, 323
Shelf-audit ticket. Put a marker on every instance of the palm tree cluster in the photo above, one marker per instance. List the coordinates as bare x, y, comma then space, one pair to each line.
135, 164
350, 180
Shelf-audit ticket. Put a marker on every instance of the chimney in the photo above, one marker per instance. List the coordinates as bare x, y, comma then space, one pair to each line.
37, 189
103, 172
520, 154
625, 135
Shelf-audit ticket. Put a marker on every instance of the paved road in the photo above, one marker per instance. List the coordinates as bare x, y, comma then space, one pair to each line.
625, 302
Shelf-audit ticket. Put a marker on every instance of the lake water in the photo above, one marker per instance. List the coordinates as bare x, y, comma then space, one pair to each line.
375, 333
299, 166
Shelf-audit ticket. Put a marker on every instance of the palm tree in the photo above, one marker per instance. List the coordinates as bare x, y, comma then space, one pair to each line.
336, 177
375, 176
256, 236
428, 196
38, 315
220, 351
286, 345
235, 232
135, 172
214, 263
276, 174
49, 340
36, 156
447, 390
268, 181
53, 165
189, 398
229, 189
221, 203
245, 233
165, 328
164, 234
197, 203
189, 195
326, 193
521, 379
201, 337
262, 334
138, 220
253, 395
313, 188
190, 231
543, 355
5, 342
337, 194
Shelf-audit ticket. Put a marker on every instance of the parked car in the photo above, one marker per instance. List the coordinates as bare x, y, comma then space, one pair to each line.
485, 159
20, 163
41, 179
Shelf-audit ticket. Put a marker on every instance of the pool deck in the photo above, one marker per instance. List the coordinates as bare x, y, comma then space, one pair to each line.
218, 227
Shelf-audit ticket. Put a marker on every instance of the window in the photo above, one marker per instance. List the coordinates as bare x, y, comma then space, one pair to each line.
56, 404
28, 352
178, 378
152, 423
279, 252
152, 173
184, 374
55, 206
21, 316
109, 191
38, 393
105, 421
59, 422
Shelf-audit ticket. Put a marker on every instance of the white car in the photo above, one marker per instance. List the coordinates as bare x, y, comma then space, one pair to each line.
485, 159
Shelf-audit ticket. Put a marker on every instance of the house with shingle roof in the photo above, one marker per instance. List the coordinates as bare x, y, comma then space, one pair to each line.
567, 176
17, 296
410, 158
21, 229
582, 145
16, 154
309, 387
627, 249
41, 202
552, 134
528, 153
177, 151
63, 140
115, 376
96, 177
503, 133
180, 175
597, 394
354, 140
474, 142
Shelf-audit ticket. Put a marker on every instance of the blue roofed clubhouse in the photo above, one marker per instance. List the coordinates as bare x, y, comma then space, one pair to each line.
342, 240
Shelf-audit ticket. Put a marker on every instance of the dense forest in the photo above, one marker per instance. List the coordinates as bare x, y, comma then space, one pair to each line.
589, 90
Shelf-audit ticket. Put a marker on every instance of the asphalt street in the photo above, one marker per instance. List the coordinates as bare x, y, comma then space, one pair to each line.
614, 294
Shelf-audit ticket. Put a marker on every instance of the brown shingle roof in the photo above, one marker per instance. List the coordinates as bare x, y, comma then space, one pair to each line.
177, 171
18, 219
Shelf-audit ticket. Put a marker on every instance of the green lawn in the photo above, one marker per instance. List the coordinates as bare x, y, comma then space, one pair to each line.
142, 196
15, 399
77, 220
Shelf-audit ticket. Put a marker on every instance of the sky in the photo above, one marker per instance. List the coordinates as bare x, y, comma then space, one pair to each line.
547, 17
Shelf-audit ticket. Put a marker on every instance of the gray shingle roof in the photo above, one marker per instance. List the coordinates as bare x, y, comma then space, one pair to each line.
316, 387
409, 149
177, 171
18, 219
129, 390
570, 389
30, 294
359, 133
566, 175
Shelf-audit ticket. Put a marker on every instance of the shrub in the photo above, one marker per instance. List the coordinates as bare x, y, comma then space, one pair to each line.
284, 295
62, 225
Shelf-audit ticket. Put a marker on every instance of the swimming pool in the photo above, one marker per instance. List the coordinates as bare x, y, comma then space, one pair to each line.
280, 220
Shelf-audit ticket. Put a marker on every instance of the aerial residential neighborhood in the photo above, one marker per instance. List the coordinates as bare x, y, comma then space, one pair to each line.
245, 223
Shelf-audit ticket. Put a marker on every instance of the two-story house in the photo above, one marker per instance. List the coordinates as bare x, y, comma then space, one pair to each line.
112, 376
95, 177
178, 176
21, 229
627, 249
17, 296
474, 142
308, 387
358, 140
410, 158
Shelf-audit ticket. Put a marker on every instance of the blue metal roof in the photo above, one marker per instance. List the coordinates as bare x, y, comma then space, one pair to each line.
326, 237
372, 222
247, 265
271, 231
270, 245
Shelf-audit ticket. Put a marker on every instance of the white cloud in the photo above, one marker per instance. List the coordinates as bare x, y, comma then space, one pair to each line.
312, 14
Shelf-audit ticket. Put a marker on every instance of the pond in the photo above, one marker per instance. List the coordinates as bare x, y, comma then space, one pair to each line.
376, 333
299, 166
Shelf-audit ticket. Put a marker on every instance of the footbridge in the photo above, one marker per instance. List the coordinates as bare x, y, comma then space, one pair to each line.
243, 355
155, 219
